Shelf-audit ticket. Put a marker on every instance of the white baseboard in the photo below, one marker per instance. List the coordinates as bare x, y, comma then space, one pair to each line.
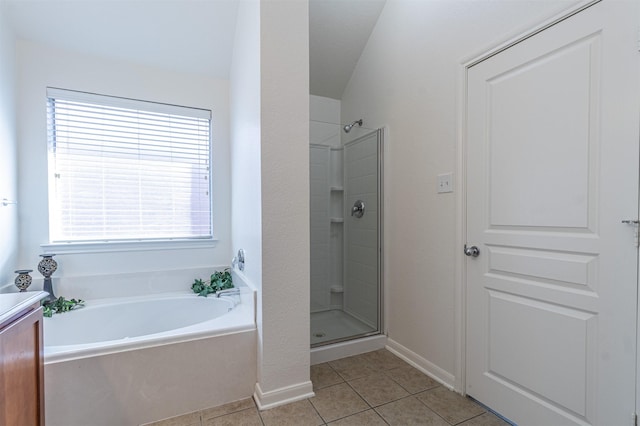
445, 378
282, 396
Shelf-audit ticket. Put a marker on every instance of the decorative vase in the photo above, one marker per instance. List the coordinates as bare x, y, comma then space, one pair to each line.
47, 266
23, 280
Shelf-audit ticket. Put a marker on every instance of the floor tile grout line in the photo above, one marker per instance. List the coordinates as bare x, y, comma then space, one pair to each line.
461, 421
317, 412
358, 393
382, 405
470, 418
407, 390
438, 414
374, 406
352, 414
259, 416
369, 406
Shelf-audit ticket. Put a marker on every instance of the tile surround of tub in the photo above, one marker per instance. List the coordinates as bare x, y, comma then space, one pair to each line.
374, 388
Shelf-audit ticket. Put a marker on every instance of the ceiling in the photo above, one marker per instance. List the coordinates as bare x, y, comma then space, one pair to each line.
191, 35
338, 32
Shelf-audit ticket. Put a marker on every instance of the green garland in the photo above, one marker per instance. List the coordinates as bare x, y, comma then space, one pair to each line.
60, 305
218, 281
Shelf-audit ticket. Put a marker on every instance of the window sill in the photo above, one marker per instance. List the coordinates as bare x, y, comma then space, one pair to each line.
126, 246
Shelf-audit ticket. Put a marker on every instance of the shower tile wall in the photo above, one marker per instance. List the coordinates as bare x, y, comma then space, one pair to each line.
361, 236
326, 171
326, 227
320, 225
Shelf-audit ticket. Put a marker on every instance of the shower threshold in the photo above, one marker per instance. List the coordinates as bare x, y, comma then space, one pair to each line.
336, 325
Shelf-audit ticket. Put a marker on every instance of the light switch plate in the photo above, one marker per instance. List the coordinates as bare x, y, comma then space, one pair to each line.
445, 183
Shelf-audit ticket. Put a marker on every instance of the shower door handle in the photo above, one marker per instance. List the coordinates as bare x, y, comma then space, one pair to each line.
358, 209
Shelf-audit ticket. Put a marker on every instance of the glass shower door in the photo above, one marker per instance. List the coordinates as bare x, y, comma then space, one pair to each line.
346, 240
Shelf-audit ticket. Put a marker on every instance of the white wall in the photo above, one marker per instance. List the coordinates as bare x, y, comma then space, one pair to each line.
8, 155
246, 202
284, 66
40, 66
407, 79
325, 128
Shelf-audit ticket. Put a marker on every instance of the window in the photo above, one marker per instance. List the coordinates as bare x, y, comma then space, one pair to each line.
127, 170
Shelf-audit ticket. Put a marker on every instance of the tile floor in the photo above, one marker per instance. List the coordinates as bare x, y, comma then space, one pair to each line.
376, 388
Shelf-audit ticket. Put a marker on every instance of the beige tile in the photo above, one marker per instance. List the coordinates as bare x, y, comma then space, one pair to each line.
352, 367
408, 412
229, 408
451, 406
248, 417
382, 360
378, 389
299, 413
411, 379
486, 419
337, 401
366, 418
189, 419
322, 375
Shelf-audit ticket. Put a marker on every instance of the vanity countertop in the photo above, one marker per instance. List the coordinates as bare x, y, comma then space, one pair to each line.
13, 303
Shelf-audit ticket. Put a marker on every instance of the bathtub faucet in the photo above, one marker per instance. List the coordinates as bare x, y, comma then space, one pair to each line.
230, 292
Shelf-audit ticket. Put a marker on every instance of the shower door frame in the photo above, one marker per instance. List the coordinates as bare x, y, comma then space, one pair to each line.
380, 239
380, 226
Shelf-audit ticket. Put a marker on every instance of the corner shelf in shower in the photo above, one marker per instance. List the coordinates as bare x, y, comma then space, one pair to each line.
336, 220
336, 189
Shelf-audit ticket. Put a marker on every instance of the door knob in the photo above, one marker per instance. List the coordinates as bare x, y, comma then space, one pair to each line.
472, 251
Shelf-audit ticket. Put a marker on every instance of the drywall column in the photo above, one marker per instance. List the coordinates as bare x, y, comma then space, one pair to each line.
283, 355
244, 96
8, 148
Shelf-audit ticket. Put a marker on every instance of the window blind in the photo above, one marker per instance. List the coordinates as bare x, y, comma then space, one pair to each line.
124, 169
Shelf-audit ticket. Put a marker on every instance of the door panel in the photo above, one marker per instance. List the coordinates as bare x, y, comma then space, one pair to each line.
552, 169
545, 196
556, 340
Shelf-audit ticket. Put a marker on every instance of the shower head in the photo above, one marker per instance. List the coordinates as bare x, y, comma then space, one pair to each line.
348, 127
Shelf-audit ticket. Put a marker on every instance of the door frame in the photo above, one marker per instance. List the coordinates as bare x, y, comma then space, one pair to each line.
460, 278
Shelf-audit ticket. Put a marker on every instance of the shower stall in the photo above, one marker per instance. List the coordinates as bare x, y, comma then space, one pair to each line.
346, 232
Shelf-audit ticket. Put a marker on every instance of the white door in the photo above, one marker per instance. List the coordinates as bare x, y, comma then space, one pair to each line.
552, 170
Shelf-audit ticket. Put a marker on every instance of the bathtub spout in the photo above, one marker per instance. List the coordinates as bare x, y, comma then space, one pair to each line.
230, 292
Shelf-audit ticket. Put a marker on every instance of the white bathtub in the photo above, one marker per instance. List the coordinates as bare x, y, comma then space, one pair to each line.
139, 359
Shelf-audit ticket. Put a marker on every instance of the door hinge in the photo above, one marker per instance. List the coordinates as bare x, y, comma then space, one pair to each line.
634, 417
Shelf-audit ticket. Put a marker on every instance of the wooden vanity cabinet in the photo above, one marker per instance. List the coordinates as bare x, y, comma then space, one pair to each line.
22, 369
